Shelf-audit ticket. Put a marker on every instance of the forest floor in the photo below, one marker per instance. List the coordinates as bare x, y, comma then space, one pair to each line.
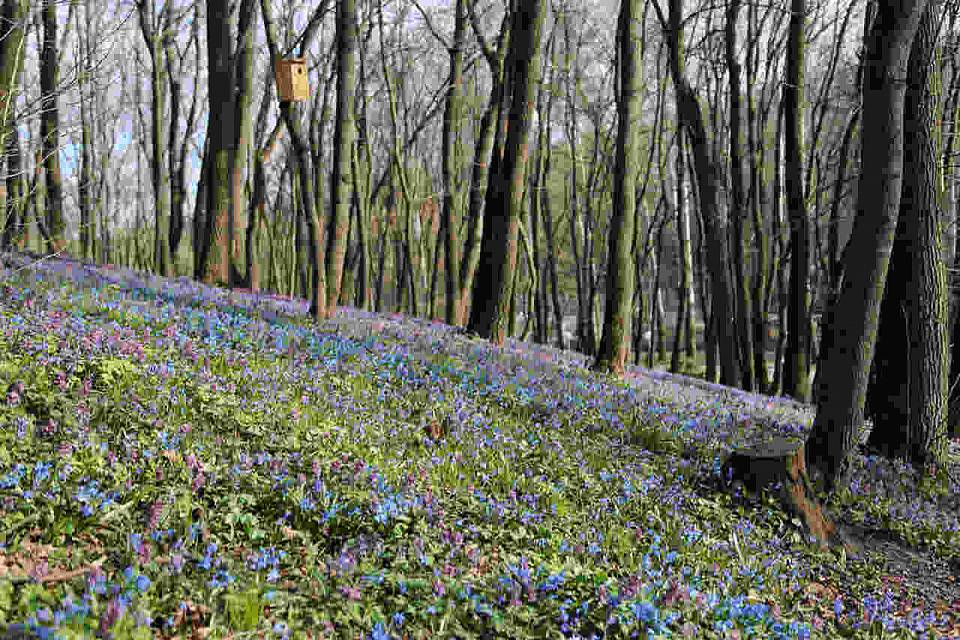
182, 461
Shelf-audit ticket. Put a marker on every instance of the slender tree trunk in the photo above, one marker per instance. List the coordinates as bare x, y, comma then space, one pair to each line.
778, 265
852, 317
50, 128
243, 62
85, 184
256, 216
178, 146
738, 201
307, 200
452, 126
758, 202
708, 181
484, 160
796, 380
152, 26
202, 224
833, 231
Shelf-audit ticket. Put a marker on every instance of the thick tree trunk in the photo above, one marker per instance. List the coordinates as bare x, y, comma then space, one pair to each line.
15, 224
615, 340
343, 138
14, 15
851, 325
484, 159
908, 403
780, 466
12, 54
220, 133
492, 288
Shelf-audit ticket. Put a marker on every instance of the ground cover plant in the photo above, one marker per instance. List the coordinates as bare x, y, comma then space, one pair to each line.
182, 461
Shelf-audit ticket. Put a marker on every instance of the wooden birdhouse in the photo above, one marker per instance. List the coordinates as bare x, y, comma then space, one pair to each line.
291, 74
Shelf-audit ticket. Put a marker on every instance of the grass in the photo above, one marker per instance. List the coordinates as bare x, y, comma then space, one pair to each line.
181, 461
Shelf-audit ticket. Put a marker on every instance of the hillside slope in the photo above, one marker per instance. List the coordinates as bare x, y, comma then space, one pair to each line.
181, 461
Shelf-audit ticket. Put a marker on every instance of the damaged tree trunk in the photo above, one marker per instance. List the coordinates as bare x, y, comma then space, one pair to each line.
780, 466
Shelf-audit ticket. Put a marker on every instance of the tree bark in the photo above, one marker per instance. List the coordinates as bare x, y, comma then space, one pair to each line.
850, 331
343, 138
738, 201
452, 124
50, 129
796, 372
152, 26
492, 289
615, 339
243, 65
908, 403
220, 134
484, 159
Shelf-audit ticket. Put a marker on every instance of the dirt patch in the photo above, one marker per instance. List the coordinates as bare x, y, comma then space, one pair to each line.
929, 577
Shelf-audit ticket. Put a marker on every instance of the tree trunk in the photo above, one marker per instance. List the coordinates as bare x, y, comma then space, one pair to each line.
484, 159
220, 134
256, 216
15, 224
178, 146
615, 340
850, 331
452, 125
12, 53
796, 373
908, 403
202, 226
492, 290
50, 129
152, 26
243, 65
738, 201
343, 138
684, 333
708, 183
315, 228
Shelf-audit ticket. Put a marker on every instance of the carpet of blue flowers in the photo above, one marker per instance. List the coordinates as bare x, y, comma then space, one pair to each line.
182, 461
